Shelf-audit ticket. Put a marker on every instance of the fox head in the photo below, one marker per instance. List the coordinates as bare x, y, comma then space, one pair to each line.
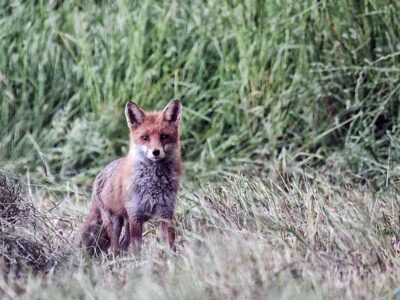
154, 135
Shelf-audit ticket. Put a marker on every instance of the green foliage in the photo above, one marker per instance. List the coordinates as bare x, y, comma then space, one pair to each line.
290, 82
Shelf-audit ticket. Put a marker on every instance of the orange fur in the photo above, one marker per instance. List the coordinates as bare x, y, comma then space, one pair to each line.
112, 190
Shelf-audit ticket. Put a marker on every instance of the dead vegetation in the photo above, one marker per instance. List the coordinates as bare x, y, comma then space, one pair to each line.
239, 238
29, 239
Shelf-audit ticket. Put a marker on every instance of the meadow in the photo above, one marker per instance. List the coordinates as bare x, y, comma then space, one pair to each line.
290, 141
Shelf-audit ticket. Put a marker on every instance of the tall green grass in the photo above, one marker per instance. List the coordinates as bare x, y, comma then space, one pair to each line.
265, 84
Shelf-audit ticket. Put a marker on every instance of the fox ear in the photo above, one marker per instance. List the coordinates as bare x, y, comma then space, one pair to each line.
172, 112
134, 114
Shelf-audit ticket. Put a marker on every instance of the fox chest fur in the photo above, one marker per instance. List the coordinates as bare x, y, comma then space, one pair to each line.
149, 188
152, 190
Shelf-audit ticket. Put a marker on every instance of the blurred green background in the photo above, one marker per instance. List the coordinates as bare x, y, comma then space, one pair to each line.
267, 85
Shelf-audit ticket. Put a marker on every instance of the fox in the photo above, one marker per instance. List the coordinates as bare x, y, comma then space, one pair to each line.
141, 186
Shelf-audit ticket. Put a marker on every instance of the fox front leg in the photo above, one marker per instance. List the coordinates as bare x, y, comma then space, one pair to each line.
126, 240
136, 231
168, 232
114, 231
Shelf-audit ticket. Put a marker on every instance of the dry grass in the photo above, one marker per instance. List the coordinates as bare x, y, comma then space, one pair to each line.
251, 238
29, 239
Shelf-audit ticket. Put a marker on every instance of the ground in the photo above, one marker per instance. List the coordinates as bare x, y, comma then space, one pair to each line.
243, 238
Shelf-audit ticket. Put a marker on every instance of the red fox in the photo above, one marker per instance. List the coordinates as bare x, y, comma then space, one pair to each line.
140, 186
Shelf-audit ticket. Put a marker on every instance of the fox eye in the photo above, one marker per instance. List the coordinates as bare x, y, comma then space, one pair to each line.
145, 138
163, 137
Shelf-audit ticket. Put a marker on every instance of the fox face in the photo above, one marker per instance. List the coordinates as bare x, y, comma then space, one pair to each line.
154, 135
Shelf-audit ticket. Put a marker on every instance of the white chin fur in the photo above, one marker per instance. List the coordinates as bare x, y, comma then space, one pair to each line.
155, 158
142, 150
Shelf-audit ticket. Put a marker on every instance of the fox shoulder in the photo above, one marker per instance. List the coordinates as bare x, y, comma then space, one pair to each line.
104, 178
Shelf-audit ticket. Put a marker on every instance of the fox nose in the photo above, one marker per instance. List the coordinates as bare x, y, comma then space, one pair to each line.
156, 152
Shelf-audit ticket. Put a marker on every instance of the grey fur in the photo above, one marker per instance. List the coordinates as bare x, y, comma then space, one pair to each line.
154, 188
